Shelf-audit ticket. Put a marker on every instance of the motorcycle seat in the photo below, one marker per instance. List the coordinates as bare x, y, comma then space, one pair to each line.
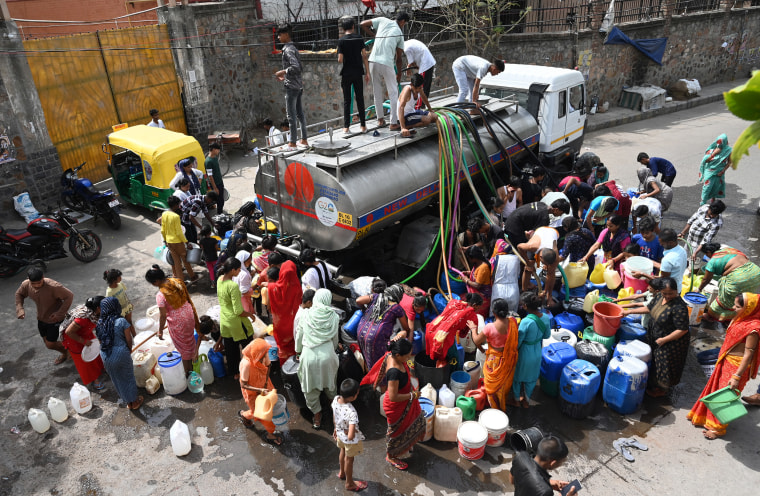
17, 234
93, 190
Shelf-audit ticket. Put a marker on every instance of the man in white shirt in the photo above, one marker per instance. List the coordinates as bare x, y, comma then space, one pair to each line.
154, 120
469, 70
388, 48
418, 55
274, 136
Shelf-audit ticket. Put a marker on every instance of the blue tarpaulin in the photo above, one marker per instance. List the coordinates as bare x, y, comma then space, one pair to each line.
653, 48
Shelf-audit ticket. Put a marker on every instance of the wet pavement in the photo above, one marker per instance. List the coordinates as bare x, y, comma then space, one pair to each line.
111, 450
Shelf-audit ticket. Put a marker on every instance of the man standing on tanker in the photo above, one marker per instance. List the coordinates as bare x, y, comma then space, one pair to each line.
388, 49
469, 70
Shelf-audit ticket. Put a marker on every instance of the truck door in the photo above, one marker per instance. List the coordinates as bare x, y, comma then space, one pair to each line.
576, 113
556, 121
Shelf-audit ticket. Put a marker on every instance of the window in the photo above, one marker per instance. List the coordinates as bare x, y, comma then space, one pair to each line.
576, 98
562, 104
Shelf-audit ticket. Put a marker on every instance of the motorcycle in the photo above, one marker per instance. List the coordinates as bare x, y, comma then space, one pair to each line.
79, 194
43, 240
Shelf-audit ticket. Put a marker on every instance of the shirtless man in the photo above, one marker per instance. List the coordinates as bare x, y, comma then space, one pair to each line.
409, 116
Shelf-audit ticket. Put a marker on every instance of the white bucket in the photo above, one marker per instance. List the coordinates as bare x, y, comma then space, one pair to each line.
641, 264
474, 369
472, 438
153, 313
280, 415
496, 423
145, 325
194, 254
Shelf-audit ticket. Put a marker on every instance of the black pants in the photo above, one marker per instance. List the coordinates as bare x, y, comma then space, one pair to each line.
232, 353
220, 200
346, 83
427, 81
668, 179
191, 233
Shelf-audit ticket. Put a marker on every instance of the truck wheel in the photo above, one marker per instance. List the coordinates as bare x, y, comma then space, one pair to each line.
85, 246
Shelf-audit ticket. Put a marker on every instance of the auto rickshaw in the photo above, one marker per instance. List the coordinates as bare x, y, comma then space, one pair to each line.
141, 160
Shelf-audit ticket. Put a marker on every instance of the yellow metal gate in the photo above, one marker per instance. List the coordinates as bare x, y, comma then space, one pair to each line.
88, 82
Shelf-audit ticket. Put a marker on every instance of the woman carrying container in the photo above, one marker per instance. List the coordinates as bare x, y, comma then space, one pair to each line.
456, 318
478, 280
177, 313
501, 355
235, 327
316, 342
79, 326
115, 335
613, 239
737, 363
406, 421
737, 275
534, 328
668, 335
254, 380
285, 295
377, 323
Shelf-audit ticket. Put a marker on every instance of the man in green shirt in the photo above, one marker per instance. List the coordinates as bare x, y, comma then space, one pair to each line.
215, 175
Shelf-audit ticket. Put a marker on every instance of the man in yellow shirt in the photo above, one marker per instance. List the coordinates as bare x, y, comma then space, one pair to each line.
171, 231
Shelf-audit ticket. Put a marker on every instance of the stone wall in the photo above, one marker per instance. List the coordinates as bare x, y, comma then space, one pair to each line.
29, 160
695, 50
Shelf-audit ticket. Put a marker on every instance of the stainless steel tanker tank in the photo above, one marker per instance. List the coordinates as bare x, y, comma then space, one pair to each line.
334, 202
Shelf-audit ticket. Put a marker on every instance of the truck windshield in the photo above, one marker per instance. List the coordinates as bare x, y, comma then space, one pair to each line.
520, 94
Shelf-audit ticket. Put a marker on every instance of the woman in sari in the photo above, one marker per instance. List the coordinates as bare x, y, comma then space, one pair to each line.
501, 355
715, 162
316, 341
650, 186
737, 362
177, 313
533, 329
505, 272
284, 299
478, 280
377, 323
254, 380
234, 323
668, 335
79, 327
115, 336
613, 239
406, 421
737, 275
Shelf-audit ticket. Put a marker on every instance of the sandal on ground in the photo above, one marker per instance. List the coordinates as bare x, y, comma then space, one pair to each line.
397, 463
136, 404
381, 123
98, 386
623, 450
316, 423
634, 443
246, 422
710, 434
61, 358
274, 441
358, 486
525, 403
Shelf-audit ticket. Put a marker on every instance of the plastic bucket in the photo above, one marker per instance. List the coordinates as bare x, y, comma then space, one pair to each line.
725, 405
194, 254
428, 373
607, 318
459, 382
472, 438
428, 408
526, 440
696, 303
280, 415
638, 285
496, 423
640, 264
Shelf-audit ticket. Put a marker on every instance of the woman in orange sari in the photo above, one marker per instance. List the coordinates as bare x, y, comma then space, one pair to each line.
254, 380
501, 355
737, 362
478, 280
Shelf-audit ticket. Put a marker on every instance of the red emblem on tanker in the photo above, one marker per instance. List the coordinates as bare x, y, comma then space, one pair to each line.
298, 182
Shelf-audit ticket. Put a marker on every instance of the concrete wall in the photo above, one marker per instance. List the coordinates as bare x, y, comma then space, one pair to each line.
31, 161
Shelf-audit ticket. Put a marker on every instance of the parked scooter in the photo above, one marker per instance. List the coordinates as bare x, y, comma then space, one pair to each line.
79, 194
42, 240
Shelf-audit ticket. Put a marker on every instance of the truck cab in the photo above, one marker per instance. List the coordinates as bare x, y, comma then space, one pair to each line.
556, 98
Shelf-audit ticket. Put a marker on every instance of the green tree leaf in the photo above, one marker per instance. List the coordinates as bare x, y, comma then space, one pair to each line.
744, 101
749, 137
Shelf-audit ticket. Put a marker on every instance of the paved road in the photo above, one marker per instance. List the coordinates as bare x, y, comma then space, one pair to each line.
112, 451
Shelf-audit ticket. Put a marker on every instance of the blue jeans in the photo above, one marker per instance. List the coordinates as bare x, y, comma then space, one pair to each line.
294, 110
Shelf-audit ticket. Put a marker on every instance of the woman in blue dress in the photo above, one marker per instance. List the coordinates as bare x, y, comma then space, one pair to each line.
115, 335
534, 328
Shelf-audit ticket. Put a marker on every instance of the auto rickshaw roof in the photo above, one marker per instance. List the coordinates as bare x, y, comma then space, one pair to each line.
161, 148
